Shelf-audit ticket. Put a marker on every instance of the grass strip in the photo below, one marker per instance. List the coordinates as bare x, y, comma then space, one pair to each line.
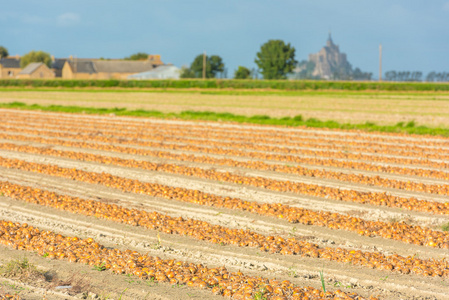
409, 128
372, 94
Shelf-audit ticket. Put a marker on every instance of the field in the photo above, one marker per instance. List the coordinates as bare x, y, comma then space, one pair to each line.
383, 108
119, 207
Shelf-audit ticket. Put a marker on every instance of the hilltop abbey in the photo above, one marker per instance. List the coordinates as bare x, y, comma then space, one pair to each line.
328, 63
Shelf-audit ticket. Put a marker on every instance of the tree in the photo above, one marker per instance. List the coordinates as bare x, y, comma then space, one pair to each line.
440, 76
242, 73
3, 52
359, 75
186, 73
214, 65
35, 56
408, 76
391, 76
137, 56
275, 59
416, 76
303, 70
431, 76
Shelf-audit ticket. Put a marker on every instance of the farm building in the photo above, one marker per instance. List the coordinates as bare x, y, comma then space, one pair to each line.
107, 69
35, 71
57, 64
9, 66
160, 72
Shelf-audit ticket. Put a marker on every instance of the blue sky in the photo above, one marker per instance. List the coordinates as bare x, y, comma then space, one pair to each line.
414, 34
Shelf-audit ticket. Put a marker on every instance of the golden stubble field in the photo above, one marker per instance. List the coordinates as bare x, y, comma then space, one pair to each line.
425, 108
134, 208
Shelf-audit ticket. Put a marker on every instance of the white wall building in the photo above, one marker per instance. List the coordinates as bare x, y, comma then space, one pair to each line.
160, 72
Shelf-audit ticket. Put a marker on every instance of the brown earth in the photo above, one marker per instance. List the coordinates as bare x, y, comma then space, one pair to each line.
299, 270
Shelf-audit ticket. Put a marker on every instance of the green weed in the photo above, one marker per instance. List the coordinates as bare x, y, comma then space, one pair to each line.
445, 227
260, 294
400, 127
21, 269
100, 267
339, 284
292, 272
323, 284
122, 294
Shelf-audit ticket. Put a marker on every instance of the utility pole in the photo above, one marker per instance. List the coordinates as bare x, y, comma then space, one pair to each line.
204, 65
380, 62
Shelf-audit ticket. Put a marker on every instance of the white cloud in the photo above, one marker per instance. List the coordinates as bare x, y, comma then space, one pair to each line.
68, 19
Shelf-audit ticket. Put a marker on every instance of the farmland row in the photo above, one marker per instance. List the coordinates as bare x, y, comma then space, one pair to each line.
439, 188
249, 260
409, 185
207, 194
218, 129
218, 280
398, 231
131, 148
9, 297
259, 152
179, 136
221, 235
156, 132
238, 219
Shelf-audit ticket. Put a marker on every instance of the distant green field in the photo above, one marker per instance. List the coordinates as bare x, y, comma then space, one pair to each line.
231, 92
231, 84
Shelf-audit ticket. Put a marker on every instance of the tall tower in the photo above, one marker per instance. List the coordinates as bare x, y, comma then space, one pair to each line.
329, 42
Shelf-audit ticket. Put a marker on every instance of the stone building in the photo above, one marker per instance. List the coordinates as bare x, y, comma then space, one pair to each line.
330, 63
82, 68
9, 66
57, 64
36, 71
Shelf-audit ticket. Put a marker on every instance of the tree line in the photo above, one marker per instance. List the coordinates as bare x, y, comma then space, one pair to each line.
275, 60
32, 56
416, 76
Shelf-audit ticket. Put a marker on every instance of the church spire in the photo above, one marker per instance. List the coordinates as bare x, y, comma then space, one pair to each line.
329, 40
